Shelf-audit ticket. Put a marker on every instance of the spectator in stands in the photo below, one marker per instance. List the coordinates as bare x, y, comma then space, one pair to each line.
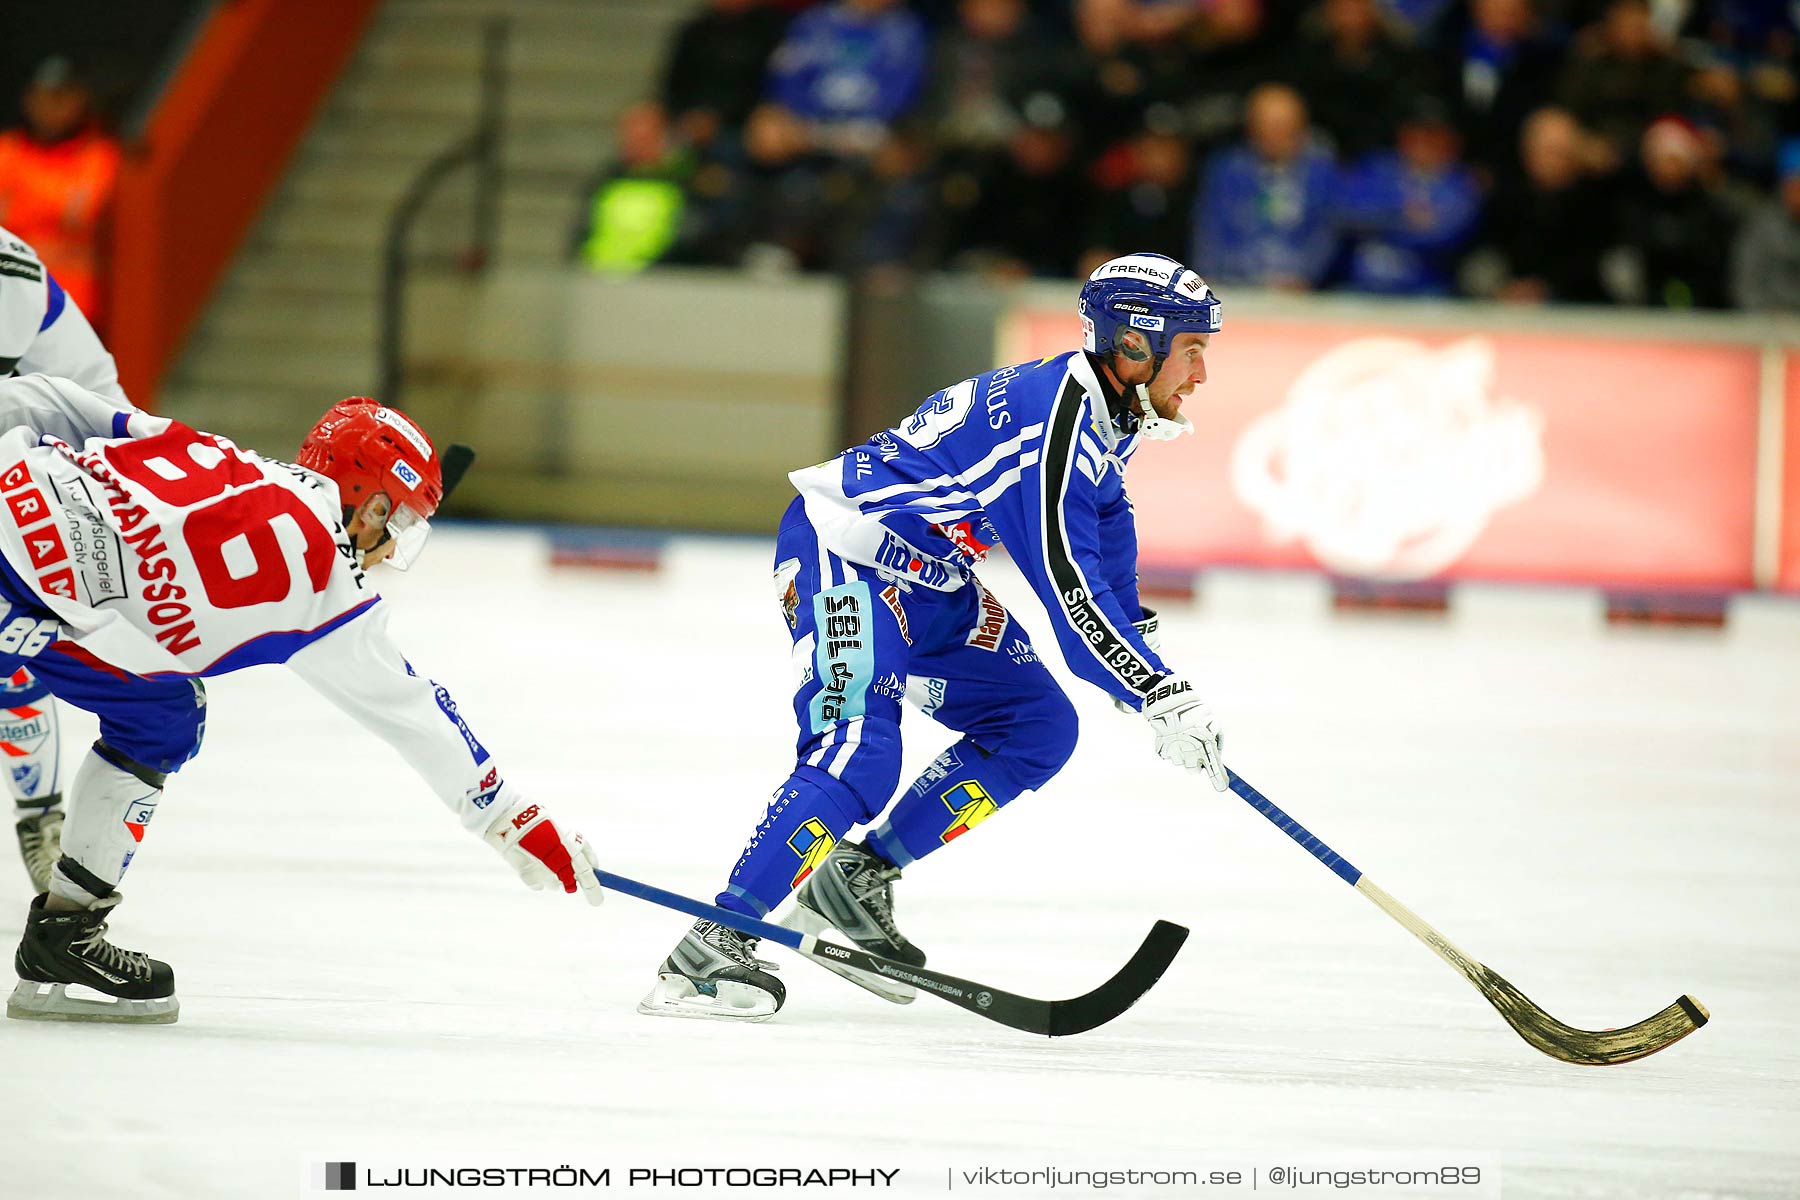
1146, 199
1024, 215
983, 69
1138, 51
849, 70
890, 220
1229, 53
636, 204
1722, 101
780, 207
1621, 75
1549, 224
716, 67
1765, 261
1500, 70
57, 178
1677, 229
1409, 212
1264, 213
1356, 73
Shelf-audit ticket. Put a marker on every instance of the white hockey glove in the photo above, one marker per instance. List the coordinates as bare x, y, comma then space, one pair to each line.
543, 854
1186, 732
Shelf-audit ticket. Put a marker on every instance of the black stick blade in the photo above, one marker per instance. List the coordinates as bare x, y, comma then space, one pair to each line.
1588, 1047
1052, 1018
1124, 989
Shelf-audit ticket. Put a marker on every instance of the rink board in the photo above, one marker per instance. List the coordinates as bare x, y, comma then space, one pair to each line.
1410, 452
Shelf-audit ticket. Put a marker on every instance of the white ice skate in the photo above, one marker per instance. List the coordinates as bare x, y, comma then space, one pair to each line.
713, 974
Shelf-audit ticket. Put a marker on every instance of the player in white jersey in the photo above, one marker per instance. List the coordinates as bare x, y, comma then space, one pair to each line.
43, 332
137, 557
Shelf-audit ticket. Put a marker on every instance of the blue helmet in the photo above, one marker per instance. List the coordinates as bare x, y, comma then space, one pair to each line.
1140, 303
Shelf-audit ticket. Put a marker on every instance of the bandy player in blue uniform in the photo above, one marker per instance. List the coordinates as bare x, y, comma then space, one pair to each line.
875, 567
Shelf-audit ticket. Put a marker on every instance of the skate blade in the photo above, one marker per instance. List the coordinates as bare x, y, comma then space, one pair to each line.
676, 996
805, 920
33, 1001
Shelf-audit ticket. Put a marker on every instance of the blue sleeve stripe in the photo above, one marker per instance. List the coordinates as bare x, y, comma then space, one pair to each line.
54, 307
121, 425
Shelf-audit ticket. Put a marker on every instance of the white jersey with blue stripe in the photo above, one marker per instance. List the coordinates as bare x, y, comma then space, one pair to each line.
42, 331
1026, 456
134, 544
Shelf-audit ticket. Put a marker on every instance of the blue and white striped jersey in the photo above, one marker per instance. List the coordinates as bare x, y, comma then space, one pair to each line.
1026, 456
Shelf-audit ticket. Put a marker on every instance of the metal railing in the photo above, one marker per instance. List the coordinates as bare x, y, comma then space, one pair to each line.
479, 148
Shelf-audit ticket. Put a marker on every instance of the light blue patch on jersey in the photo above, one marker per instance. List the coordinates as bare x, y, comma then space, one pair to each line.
844, 659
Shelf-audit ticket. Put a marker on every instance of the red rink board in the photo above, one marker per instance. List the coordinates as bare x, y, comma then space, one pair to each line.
1366, 450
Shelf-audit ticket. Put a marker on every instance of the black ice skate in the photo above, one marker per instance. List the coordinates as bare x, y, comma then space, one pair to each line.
68, 971
714, 973
853, 892
40, 842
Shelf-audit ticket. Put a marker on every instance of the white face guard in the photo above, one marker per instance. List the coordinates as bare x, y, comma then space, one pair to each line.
1159, 429
408, 531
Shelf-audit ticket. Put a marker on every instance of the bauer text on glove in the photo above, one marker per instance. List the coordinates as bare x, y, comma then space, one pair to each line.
1187, 734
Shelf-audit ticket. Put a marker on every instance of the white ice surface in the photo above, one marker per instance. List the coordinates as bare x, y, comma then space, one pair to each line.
1608, 818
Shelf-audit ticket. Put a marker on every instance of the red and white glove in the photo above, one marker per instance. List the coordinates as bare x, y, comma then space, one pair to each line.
544, 854
1187, 734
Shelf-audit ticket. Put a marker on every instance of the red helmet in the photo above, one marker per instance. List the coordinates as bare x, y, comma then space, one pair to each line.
370, 450
365, 448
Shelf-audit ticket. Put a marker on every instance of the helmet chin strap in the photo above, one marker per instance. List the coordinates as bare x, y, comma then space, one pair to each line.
1158, 428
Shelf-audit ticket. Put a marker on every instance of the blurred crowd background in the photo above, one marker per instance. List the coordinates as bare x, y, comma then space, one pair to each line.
1642, 152
484, 210
1594, 151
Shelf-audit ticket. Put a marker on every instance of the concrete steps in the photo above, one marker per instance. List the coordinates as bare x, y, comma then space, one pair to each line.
295, 323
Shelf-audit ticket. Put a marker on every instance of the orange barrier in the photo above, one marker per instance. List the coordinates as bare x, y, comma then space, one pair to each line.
1432, 454
217, 142
1788, 570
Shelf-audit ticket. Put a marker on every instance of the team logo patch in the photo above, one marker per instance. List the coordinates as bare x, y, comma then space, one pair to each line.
845, 655
990, 623
890, 595
896, 555
962, 535
969, 805
138, 816
786, 572
487, 789
927, 692
813, 843
27, 778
